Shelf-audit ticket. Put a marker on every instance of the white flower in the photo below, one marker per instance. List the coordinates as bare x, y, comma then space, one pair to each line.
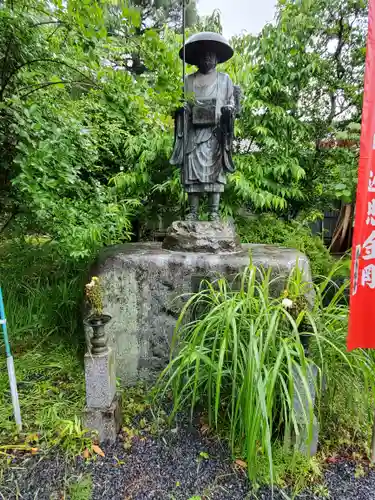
287, 303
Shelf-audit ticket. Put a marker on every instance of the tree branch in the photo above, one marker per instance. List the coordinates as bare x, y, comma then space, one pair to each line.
338, 51
28, 63
47, 84
13, 214
332, 112
54, 31
339, 69
5, 58
46, 22
253, 138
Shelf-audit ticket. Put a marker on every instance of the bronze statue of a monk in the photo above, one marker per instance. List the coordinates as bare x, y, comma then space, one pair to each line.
209, 118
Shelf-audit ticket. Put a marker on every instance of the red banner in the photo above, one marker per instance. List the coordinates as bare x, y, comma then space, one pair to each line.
362, 294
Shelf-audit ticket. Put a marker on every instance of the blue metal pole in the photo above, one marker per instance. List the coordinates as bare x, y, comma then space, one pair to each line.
10, 366
3, 323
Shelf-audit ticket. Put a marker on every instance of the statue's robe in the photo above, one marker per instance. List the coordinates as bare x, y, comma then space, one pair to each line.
207, 147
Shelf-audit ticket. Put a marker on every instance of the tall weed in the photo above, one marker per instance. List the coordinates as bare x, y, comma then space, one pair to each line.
238, 356
42, 294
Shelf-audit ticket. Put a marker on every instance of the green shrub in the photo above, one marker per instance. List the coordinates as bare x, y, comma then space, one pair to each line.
269, 229
238, 360
42, 289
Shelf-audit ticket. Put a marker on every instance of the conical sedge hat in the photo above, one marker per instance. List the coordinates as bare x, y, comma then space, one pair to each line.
206, 41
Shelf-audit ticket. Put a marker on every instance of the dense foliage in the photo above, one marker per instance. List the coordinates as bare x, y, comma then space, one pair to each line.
87, 92
73, 118
271, 230
303, 86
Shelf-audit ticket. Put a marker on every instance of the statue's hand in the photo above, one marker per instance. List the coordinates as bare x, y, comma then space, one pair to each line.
227, 109
185, 107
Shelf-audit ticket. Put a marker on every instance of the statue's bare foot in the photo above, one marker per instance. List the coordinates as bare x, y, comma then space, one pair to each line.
192, 217
214, 217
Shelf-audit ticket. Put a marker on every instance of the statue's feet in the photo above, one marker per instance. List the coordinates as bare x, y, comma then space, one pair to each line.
192, 217
214, 217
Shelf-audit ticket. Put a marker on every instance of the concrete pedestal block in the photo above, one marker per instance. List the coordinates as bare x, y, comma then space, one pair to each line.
143, 284
302, 404
105, 421
100, 373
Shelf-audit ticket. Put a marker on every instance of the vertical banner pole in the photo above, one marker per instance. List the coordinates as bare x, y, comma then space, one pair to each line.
184, 95
362, 292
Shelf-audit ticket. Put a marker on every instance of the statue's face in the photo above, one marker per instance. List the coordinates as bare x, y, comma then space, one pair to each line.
207, 62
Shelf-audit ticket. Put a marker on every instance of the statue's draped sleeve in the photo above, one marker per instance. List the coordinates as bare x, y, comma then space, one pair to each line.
180, 115
228, 113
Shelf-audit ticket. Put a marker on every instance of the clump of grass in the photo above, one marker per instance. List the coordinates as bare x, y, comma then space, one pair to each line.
42, 293
240, 362
346, 409
52, 394
80, 488
291, 470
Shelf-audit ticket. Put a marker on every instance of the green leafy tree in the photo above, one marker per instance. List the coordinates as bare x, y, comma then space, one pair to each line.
87, 94
331, 102
158, 13
302, 79
270, 137
52, 179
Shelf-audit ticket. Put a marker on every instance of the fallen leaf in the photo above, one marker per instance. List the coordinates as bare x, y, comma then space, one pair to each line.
205, 429
241, 463
32, 438
86, 453
34, 451
127, 445
96, 449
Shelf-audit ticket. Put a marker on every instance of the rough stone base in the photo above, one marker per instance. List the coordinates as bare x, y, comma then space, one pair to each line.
143, 284
106, 422
202, 236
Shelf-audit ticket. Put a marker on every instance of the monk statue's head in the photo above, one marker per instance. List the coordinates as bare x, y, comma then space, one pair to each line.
207, 62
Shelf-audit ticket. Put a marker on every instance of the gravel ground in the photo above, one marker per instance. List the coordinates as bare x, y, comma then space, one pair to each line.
171, 468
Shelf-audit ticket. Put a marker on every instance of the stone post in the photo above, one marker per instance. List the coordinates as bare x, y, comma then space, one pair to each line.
103, 404
302, 401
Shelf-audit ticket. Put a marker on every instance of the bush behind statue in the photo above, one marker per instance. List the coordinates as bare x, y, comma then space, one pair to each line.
269, 229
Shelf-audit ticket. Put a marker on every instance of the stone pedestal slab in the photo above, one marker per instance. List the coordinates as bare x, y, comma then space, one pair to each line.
100, 373
304, 397
105, 421
143, 284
